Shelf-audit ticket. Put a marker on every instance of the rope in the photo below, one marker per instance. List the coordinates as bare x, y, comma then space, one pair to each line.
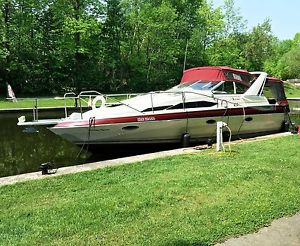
92, 122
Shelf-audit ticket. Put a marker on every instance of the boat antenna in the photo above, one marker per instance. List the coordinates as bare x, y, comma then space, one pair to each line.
185, 54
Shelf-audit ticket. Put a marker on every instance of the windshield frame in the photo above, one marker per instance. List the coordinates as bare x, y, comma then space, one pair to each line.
191, 86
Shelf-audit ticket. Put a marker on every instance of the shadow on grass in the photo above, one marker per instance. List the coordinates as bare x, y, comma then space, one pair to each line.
183, 242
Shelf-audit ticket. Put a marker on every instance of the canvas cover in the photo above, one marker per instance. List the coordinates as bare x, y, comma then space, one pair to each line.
216, 73
276, 87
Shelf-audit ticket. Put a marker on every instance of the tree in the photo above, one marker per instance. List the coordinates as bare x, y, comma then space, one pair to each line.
204, 35
228, 46
153, 46
234, 22
49, 46
5, 42
284, 61
279, 48
82, 27
259, 46
288, 64
112, 36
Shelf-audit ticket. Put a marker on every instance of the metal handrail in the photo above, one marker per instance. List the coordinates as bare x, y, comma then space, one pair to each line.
219, 101
81, 95
65, 102
88, 93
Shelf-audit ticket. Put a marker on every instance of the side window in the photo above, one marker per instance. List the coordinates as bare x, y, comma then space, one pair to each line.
240, 88
267, 92
274, 91
197, 104
225, 88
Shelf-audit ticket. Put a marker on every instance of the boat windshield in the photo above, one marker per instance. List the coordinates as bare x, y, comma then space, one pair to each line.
199, 85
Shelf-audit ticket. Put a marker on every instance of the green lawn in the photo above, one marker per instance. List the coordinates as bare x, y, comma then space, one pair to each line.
30, 102
291, 90
194, 199
47, 102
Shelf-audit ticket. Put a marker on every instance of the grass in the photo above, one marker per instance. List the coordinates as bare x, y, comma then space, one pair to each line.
195, 199
291, 90
46, 102
30, 102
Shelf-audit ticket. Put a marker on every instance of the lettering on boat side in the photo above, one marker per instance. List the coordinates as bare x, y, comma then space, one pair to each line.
141, 119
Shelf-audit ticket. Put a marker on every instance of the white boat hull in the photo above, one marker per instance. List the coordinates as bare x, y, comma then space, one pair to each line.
205, 96
168, 131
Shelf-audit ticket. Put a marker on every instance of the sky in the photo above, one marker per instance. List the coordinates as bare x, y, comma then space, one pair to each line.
284, 15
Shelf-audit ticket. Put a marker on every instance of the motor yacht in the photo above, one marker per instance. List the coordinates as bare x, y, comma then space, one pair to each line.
204, 96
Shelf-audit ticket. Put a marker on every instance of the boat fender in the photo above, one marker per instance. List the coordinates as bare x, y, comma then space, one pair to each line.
293, 128
96, 99
186, 140
48, 168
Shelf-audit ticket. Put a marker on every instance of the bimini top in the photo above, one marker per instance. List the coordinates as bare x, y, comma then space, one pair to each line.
216, 73
274, 80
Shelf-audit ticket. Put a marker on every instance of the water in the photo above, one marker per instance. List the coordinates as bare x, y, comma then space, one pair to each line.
23, 149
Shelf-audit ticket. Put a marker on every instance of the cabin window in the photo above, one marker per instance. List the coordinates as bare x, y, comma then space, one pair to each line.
197, 104
239, 76
156, 108
274, 91
267, 92
196, 85
240, 88
225, 88
202, 86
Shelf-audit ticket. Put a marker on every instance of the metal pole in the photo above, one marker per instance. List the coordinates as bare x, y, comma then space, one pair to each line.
66, 113
219, 145
37, 111
33, 111
80, 106
152, 102
185, 55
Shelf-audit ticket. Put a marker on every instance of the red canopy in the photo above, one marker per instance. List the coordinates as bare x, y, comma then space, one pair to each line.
274, 80
216, 73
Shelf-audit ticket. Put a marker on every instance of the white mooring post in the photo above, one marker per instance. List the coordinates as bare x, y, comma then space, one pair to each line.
220, 125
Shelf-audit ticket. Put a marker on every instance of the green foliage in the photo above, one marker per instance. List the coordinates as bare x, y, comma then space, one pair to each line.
259, 46
288, 65
291, 90
49, 47
279, 49
234, 22
229, 46
194, 199
285, 60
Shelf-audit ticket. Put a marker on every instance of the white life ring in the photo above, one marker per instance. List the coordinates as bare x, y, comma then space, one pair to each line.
96, 99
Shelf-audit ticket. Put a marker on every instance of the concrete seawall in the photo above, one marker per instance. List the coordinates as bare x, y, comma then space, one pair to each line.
120, 161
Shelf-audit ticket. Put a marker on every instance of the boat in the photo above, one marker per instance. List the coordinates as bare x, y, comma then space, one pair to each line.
204, 96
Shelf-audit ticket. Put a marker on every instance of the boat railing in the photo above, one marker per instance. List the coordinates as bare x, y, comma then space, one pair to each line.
220, 101
86, 97
83, 95
70, 95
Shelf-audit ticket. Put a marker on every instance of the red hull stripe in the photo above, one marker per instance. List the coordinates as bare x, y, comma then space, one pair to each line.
181, 115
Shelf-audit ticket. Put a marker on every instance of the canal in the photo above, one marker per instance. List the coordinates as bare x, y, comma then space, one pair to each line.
24, 149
